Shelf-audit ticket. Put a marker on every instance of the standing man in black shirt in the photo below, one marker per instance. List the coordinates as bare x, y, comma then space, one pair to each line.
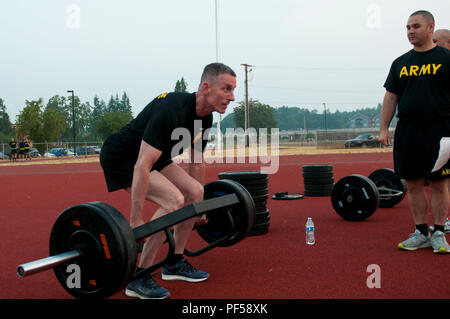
138, 159
418, 82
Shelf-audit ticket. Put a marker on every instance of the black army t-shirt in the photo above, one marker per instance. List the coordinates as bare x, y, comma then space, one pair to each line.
421, 82
161, 124
169, 123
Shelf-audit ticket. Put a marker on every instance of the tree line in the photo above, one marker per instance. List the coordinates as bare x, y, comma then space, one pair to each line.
53, 122
292, 118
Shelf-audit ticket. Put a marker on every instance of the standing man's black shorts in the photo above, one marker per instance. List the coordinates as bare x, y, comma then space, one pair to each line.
118, 163
416, 149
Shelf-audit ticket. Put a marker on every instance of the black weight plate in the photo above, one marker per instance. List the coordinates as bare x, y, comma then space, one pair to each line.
243, 175
260, 220
107, 245
252, 188
317, 175
250, 182
260, 231
243, 214
262, 214
317, 193
286, 196
260, 206
260, 192
318, 181
261, 225
260, 209
355, 197
388, 178
322, 187
317, 168
261, 198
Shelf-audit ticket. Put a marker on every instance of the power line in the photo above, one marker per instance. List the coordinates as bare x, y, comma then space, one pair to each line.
311, 90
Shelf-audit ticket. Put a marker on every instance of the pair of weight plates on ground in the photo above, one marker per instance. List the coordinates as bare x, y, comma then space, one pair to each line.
256, 183
318, 180
357, 197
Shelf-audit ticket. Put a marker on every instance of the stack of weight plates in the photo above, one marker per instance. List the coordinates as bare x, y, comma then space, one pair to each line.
256, 182
318, 180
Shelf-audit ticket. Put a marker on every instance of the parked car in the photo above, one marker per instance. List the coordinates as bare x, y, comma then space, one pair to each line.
34, 152
86, 150
58, 151
364, 140
48, 154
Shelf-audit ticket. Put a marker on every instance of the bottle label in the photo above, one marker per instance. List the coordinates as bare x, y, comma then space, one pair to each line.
310, 228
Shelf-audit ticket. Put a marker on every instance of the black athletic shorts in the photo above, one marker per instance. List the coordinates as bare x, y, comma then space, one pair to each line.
416, 149
118, 164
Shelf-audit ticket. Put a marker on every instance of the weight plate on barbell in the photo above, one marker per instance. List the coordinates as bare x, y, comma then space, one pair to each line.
107, 245
386, 177
218, 225
244, 175
355, 197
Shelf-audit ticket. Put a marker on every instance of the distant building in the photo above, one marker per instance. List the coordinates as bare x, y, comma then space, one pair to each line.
363, 121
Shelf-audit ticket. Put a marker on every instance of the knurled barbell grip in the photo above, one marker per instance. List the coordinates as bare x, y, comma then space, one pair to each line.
47, 263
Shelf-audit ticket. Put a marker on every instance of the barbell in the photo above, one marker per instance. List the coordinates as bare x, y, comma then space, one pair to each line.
98, 240
356, 197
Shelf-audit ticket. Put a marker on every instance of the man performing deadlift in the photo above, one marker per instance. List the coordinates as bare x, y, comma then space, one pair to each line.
138, 159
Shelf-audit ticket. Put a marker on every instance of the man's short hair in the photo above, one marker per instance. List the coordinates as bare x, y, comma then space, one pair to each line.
215, 69
425, 14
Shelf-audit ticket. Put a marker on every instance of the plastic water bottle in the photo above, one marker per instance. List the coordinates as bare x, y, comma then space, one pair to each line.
310, 240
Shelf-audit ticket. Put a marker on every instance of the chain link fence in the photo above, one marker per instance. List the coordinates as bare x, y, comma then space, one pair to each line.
55, 150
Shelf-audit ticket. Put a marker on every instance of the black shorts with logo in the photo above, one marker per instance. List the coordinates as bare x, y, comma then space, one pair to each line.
118, 164
416, 149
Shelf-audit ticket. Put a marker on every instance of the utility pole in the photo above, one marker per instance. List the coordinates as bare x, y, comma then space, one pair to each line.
219, 129
247, 121
325, 118
73, 122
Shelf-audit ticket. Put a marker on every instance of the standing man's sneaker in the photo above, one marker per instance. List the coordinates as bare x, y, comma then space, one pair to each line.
183, 270
146, 288
439, 243
415, 241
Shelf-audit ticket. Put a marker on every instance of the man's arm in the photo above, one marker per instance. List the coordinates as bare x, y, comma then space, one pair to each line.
147, 157
387, 113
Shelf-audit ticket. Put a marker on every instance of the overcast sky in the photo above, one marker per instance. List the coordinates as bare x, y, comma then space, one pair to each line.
304, 52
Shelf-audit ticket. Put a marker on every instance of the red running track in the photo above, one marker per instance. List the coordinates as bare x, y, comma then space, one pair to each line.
277, 265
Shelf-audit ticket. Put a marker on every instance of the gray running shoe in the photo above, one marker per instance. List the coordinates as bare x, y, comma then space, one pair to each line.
415, 241
146, 288
439, 243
